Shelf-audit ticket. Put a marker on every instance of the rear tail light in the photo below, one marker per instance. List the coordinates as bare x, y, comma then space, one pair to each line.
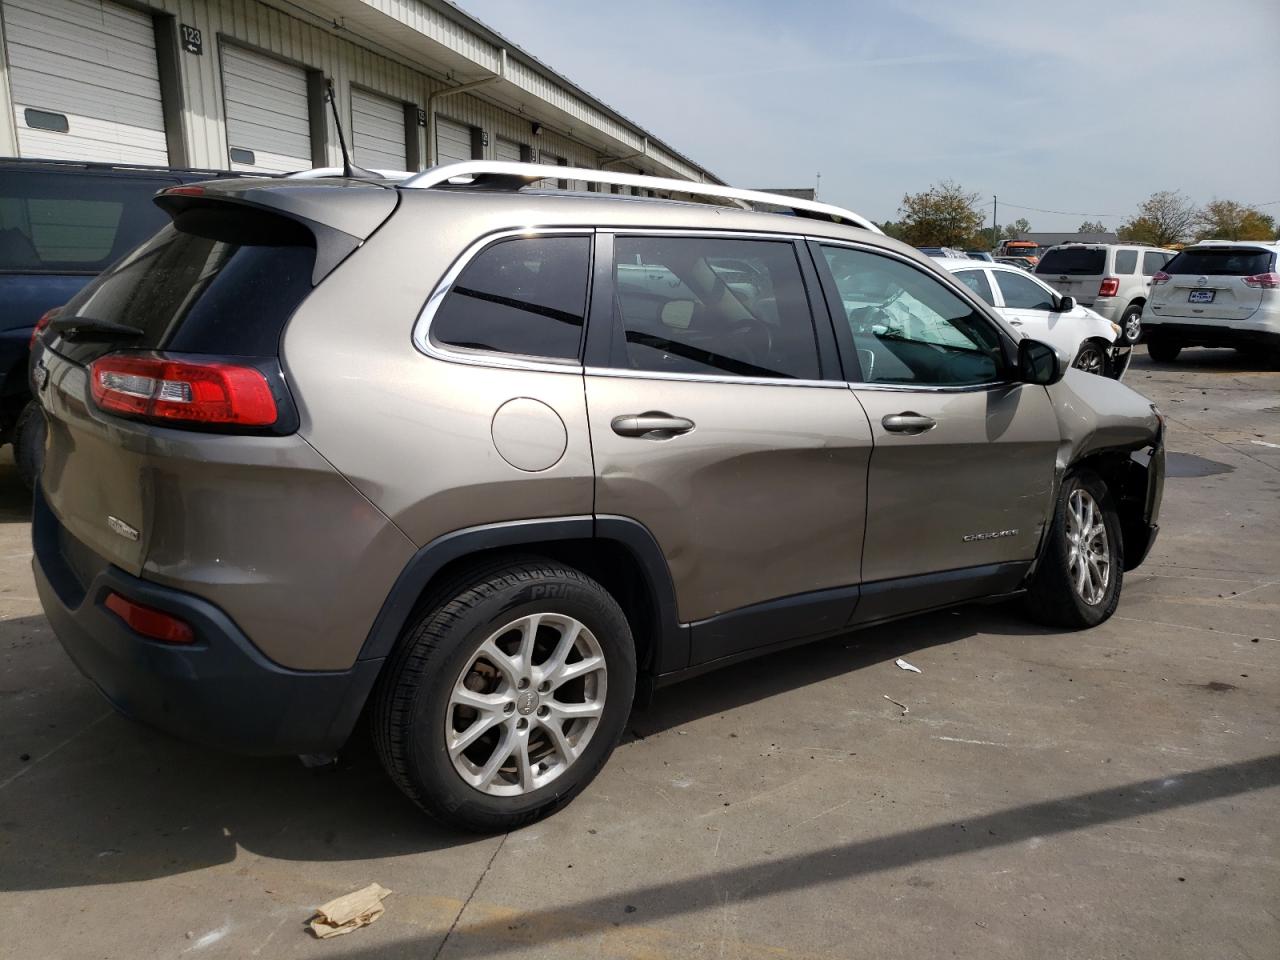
1160, 277
149, 621
1109, 287
1263, 281
41, 324
182, 391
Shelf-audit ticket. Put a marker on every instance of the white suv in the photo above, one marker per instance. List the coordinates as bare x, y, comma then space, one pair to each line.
1112, 279
1217, 293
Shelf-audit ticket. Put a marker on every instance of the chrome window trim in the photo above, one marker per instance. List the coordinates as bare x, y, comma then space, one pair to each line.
484, 358
928, 388
628, 374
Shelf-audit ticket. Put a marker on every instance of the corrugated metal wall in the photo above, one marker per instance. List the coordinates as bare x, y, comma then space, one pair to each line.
271, 31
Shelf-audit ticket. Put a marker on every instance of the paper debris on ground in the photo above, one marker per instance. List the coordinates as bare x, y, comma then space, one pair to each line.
902, 664
897, 703
350, 912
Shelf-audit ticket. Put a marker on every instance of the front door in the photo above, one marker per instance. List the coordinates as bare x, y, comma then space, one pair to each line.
720, 422
961, 476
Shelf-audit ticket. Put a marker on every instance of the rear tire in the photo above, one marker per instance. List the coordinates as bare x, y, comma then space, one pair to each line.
1131, 324
28, 444
1081, 570
1162, 349
491, 651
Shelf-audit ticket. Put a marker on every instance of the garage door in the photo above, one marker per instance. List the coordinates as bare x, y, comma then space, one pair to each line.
377, 131
268, 125
453, 141
84, 81
507, 150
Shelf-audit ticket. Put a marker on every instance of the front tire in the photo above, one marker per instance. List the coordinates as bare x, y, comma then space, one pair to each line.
506, 696
1092, 358
1162, 349
1077, 582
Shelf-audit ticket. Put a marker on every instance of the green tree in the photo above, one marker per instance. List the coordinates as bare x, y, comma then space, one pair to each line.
1163, 218
894, 230
1091, 226
1018, 229
944, 215
1228, 220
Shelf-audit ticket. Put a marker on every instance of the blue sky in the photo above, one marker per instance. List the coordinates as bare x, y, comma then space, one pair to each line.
1082, 107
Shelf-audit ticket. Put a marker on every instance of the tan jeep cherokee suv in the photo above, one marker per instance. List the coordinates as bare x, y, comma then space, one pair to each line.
482, 463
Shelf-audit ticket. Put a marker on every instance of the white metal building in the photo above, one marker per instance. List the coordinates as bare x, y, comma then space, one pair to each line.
241, 84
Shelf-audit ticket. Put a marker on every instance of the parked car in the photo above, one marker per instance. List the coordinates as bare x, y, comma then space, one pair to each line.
1022, 263
1216, 293
1094, 344
941, 251
979, 255
61, 223
311, 457
1113, 279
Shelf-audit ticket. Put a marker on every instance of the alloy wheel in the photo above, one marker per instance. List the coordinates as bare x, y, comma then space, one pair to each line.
1090, 360
526, 705
1133, 327
1089, 549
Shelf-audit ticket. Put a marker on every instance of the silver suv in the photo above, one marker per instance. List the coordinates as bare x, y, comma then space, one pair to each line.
486, 465
1113, 279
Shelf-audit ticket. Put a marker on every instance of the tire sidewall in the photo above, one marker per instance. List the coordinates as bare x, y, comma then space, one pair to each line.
428, 758
28, 443
1088, 614
1124, 325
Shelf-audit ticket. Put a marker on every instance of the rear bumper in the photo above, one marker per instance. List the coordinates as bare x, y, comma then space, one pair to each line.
219, 691
1204, 334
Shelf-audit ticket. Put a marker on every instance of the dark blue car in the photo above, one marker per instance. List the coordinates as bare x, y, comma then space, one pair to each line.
62, 223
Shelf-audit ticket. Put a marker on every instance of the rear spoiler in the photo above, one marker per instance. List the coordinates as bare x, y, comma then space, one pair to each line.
340, 215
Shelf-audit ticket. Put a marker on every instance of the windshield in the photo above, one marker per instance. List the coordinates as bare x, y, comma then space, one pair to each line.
1222, 262
73, 223
1074, 261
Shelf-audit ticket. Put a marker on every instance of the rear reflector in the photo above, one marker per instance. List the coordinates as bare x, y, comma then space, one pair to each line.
149, 621
178, 391
1160, 277
1263, 281
1109, 287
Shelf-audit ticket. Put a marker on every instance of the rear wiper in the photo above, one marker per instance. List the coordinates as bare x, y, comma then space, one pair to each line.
87, 326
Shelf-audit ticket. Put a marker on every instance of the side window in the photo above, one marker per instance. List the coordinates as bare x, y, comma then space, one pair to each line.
1023, 293
908, 327
1126, 261
525, 296
1153, 262
976, 280
713, 305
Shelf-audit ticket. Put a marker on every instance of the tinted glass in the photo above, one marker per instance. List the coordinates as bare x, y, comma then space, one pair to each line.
221, 282
1221, 262
709, 305
1073, 260
1126, 261
1023, 293
73, 223
908, 327
976, 280
1153, 261
525, 296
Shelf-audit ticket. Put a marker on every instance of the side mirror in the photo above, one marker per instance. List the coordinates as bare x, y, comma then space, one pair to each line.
1039, 363
1066, 304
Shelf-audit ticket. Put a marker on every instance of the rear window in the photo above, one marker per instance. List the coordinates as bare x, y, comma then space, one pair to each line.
220, 281
73, 223
1221, 262
1073, 261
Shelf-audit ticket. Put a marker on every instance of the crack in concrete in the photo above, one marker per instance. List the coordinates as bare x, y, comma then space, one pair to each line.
471, 896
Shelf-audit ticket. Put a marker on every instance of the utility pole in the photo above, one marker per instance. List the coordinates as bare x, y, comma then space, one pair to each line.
816, 185
995, 223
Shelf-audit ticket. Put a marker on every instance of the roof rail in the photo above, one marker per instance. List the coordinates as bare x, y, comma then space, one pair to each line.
318, 173
507, 175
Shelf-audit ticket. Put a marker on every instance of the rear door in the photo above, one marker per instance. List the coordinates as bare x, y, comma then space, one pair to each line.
720, 422
961, 477
1207, 283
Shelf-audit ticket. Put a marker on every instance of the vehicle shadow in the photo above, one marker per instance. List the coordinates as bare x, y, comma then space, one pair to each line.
15, 499
118, 802
1217, 359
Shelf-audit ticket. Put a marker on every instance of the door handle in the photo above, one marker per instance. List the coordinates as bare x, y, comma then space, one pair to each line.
908, 422
653, 425
1015, 323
